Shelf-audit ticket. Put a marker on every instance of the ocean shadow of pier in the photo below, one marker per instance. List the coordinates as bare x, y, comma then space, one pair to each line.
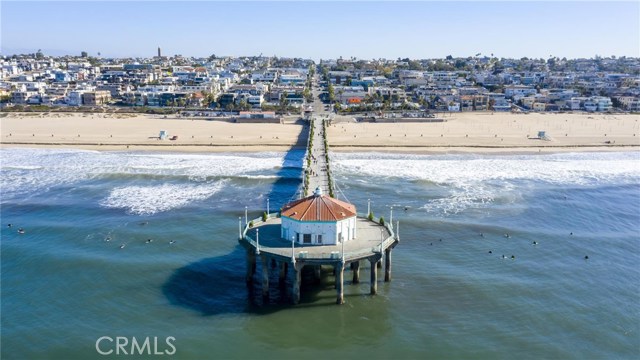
210, 286
290, 173
217, 285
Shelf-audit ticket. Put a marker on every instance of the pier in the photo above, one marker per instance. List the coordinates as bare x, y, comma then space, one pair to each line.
317, 155
351, 239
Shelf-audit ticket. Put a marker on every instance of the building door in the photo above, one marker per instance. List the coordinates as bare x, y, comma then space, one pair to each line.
319, 239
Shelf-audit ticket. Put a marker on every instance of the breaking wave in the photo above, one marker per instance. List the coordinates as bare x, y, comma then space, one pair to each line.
149, 200
474, 181
33, 171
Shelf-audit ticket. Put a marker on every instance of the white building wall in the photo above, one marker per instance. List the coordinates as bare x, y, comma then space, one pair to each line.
346, 228
329, 230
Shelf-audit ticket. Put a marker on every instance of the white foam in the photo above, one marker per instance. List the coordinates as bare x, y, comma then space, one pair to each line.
31, 171
24, 167
261, 177
149, 200
583, 168
472, 180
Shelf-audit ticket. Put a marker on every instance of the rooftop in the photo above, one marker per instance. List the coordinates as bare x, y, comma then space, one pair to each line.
319, 207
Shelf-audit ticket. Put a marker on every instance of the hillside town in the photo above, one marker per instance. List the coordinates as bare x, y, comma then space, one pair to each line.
266, 86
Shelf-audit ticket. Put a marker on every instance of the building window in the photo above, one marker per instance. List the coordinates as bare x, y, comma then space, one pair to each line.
319, 239
307, 238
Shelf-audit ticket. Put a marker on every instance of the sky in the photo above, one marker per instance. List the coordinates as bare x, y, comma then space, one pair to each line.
323, 29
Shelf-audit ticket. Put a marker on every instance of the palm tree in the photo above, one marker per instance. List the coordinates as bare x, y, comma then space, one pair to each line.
284, 102
244, 105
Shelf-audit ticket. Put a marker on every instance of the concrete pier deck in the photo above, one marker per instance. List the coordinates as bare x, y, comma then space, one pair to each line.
319, 172
265, 237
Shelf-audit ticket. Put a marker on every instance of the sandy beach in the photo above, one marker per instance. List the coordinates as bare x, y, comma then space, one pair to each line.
461, 132
493, 132
141, 132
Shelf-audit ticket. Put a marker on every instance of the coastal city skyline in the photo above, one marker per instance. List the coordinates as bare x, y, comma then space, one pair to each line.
321, 30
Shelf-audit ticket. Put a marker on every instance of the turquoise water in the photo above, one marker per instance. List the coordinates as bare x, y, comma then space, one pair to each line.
66, 282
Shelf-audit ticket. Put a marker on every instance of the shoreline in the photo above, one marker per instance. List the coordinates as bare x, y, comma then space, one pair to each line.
255, 148
179, 148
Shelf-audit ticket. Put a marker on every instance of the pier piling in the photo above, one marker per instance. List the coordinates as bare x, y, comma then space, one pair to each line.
297, 270
387, 265
284, 267
374, 276
340, 284
265, 279
317, 272
355, 267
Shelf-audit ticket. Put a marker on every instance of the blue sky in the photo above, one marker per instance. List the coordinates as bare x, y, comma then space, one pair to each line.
322, 29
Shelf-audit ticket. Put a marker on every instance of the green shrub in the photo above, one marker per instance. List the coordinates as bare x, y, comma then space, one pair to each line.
381, 220
370, 217
264, 216
251, 223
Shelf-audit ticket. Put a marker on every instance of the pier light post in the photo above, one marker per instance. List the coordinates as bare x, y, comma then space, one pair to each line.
391, 217
240, 228
257, 241
268, 207
398, 230
246, 215
368, 207
296, 275
340, 278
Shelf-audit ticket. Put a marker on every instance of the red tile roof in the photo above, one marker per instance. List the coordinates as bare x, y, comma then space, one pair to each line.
319, 208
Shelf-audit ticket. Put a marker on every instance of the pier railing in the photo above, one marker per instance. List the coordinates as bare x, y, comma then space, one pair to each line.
303, 253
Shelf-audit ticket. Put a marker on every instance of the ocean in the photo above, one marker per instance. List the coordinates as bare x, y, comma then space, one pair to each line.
492, 261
